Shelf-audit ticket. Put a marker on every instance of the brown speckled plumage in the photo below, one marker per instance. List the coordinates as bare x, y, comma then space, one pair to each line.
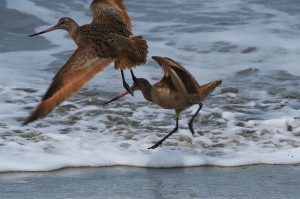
107, 39
111, 12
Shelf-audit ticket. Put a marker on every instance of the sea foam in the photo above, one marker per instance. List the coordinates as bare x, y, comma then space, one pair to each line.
252, 118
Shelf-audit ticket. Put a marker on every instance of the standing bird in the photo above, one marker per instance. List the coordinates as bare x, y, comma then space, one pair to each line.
177, 90
107, 39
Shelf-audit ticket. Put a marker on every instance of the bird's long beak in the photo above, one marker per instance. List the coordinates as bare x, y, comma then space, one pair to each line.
116, 98
42, 32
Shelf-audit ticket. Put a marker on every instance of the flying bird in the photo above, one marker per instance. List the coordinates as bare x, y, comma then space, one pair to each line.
107, 39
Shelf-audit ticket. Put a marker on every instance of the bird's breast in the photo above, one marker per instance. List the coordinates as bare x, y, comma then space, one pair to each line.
169, 99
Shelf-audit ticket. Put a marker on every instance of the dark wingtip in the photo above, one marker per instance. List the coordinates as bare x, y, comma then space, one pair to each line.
158, 59
28, 120
25, 123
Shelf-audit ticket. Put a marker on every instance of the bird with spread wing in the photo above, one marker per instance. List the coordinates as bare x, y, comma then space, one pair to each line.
107, 39
178, 89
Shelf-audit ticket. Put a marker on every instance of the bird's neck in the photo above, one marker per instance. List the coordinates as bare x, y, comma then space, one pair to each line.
73, 31
146, 90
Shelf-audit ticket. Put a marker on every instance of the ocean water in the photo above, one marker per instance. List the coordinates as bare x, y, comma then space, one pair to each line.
252, 118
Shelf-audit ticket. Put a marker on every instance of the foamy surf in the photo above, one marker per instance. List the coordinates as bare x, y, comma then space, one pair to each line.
252, 118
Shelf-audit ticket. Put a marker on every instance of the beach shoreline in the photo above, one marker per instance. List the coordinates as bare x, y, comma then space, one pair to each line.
253, 118
253, 181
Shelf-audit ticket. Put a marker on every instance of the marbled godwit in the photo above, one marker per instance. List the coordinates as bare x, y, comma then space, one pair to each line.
177, 90
107, 39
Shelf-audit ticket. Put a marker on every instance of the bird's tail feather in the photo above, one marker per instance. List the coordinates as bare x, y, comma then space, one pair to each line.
208, 88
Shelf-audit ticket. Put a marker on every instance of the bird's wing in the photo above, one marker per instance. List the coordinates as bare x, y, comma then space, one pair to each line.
185, 76
208, 88
110, 12
79, 69
177, 81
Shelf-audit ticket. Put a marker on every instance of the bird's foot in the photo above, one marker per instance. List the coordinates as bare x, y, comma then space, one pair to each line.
159, 143
191, 128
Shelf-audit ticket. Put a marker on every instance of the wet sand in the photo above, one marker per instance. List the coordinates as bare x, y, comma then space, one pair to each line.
258, 181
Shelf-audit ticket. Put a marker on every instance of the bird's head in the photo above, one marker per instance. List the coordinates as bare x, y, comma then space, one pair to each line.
140, 84
64, 23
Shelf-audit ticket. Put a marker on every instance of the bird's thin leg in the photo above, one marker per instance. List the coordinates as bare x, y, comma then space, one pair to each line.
126, 86
133, 76
159, 143
192, 119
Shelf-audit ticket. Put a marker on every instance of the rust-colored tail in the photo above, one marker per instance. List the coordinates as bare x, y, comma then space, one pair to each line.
208, 88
